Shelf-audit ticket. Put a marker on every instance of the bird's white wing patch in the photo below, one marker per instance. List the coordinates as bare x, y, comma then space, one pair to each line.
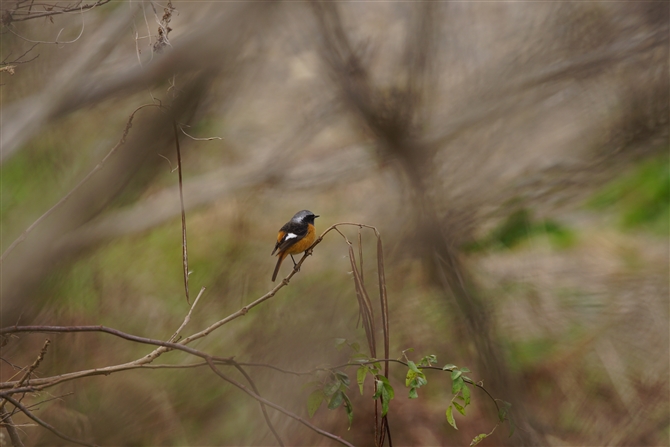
290, 236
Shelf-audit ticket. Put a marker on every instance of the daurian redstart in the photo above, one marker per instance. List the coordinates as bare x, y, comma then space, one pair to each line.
296, 236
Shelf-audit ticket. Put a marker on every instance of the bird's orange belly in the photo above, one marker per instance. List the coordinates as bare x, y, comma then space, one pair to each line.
304, 243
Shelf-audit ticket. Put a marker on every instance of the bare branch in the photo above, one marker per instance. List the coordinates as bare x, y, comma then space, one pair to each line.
8, 423
35, 364
55, 42
188, 316
20, 15
6, 62
30, 414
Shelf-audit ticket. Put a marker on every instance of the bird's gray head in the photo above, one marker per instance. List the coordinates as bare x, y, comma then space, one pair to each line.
304, 216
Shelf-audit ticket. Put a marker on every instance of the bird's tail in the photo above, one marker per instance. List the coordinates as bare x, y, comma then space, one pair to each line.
281, 257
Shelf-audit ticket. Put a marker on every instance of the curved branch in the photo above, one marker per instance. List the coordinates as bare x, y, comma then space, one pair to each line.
56, 42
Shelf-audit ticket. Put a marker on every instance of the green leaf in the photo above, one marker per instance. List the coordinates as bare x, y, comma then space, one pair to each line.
465, 392
385, 391
449, 367
355, 346
412, 367
457, 385
504, 410
459, 408
428, 360
314, 401
386, 394
331, 388
343, 378
360, 357
379, 386
410, 377
465, 370
455, 374
479, 438
340, 342
412, 393
450, 417
385, 407
336, 400
389, 389
360, 377
349, 409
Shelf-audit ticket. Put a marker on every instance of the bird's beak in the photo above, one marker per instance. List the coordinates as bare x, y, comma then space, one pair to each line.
316, 215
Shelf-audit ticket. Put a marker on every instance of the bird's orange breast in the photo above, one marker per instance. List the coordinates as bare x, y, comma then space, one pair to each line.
304, 243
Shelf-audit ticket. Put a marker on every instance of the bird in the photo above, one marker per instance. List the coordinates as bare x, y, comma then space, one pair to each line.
296, 236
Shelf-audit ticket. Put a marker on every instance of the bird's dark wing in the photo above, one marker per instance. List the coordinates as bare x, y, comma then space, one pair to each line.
289, 234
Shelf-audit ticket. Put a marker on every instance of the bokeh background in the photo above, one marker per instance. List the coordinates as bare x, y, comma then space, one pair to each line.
513, 155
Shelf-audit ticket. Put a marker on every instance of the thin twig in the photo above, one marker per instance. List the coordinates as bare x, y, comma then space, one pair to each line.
55, 42
30, 414
183, 213
78, 8
198, 139
188, 316
18, 59
8, 423
263, 409
364, 304
383, 302
277, 407
35, 364
360, 255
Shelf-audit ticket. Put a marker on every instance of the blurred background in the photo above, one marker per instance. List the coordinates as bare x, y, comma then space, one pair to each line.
513, 155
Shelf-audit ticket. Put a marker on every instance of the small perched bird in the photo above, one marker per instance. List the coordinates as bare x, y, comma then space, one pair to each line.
296, 236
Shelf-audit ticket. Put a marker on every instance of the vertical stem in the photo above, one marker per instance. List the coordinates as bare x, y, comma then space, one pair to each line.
183, 213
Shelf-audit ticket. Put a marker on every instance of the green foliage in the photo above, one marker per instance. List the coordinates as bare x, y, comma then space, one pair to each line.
333, 391
641, 198
414, 380
514, 229
519, 227
503, 415
450, 417
480, 437
385, 392
460, 390
532, 351
314, 401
